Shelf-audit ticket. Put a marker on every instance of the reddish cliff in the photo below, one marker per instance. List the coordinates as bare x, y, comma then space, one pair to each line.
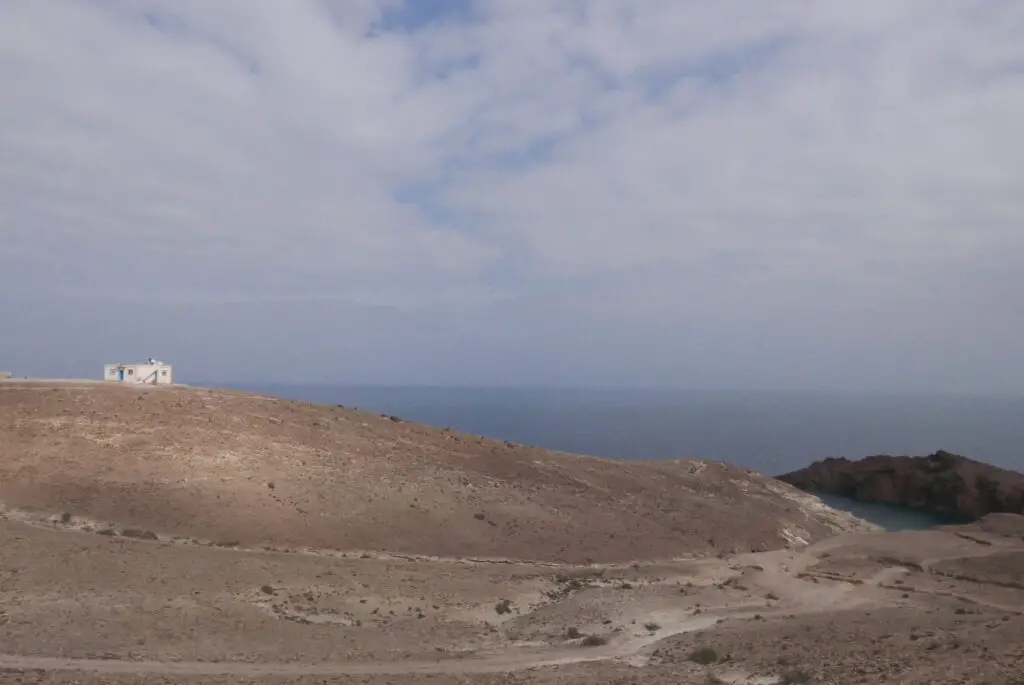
943, 483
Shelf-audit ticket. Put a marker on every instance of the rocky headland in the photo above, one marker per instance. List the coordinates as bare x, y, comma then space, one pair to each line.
941, 483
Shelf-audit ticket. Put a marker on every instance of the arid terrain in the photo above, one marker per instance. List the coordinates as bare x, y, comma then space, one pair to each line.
141, 542
235, 468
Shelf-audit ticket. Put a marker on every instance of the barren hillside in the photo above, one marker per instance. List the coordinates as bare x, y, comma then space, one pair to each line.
236, 468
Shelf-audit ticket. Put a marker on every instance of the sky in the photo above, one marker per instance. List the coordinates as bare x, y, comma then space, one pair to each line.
739, 194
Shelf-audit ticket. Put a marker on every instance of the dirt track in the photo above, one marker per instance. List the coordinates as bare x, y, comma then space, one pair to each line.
692, 602
511, 659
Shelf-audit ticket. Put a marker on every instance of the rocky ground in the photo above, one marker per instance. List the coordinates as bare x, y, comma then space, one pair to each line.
930, 607
178, 536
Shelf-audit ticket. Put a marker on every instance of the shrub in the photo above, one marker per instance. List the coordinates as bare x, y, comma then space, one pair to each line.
594, 641
65, 517
504, 606
652, 626
267, 590
771, 596
705, 656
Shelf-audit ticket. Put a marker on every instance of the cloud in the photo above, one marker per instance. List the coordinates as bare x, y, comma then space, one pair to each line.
167, 138
746, 168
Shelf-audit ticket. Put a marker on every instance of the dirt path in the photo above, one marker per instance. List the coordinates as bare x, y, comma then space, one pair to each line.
512, 660
86, 526
498, 664
779, 572
632, 649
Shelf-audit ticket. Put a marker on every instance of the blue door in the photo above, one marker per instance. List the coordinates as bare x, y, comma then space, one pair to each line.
120, 374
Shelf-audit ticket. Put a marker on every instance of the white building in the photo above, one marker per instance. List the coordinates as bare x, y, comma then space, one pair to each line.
151, 371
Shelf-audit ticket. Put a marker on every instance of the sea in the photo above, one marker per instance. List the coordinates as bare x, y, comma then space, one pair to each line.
771, 432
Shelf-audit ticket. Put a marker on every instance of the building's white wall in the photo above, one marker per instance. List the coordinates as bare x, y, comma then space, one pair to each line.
158, 374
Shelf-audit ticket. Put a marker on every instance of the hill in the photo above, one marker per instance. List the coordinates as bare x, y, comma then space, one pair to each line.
241, 469
943, 483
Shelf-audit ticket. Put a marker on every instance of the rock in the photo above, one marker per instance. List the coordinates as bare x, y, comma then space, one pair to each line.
139, 534
942, 483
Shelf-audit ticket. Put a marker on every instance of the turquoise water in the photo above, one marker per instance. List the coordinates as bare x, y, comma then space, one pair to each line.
887, 516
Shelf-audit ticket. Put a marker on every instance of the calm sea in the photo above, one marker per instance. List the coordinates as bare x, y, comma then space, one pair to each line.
771, 432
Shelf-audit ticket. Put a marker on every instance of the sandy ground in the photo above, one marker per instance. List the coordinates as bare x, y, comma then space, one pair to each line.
930, 607
232, 467
181, 535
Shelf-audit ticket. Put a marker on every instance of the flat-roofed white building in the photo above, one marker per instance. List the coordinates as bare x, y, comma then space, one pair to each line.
151, 371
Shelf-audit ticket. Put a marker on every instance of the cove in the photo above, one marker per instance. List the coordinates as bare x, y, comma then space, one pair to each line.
888, 516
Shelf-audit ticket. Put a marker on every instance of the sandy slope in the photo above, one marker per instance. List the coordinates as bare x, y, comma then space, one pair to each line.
354, 548
237, 468
85, 608
777, 573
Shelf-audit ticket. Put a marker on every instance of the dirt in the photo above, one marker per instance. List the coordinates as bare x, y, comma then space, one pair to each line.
91, 600
83, 607
236, 468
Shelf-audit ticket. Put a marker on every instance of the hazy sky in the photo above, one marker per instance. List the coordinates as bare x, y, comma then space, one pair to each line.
796, 193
